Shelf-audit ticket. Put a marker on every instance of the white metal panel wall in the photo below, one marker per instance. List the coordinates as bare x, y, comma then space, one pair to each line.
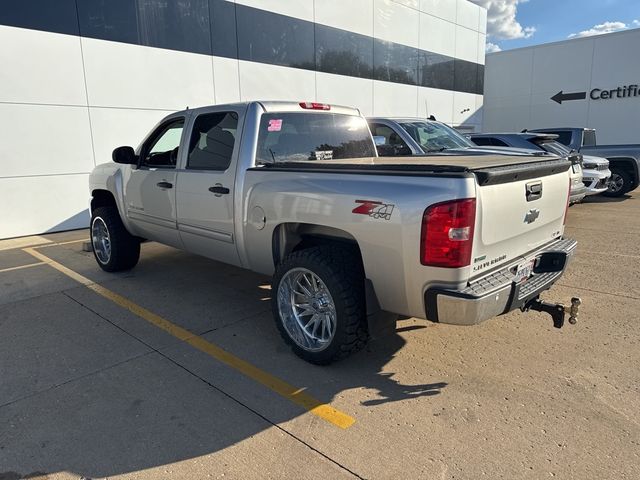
67, 101
519, 85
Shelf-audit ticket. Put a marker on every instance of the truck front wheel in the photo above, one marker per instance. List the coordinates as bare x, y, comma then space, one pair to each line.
619, 184
318, 303
114, 248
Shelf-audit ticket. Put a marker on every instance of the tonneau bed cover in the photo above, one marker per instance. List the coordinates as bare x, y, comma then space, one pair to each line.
488, 169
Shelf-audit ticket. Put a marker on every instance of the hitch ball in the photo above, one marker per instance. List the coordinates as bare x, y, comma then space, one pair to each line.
574, 310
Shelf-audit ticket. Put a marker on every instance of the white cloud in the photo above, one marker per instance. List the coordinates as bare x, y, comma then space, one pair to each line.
636, 23
501, 19
606, 27
492, 48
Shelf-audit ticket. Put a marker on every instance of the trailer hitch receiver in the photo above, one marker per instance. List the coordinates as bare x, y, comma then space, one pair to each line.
556, 310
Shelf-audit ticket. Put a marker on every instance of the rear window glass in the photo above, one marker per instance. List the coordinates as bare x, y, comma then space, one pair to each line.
295, 137
589, 139
564, 137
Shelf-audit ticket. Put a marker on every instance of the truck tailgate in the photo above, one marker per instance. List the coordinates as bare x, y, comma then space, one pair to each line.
517, 213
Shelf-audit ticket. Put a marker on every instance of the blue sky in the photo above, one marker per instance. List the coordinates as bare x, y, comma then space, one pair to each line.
518, 23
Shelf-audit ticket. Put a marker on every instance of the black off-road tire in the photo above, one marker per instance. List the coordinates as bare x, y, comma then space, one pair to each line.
125, 248
340, 268
627, 183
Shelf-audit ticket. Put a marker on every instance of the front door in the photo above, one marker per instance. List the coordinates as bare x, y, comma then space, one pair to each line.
150, 189
205, 187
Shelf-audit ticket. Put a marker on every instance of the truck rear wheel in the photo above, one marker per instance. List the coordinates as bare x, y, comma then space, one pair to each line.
114, 248
318, 303
619, 184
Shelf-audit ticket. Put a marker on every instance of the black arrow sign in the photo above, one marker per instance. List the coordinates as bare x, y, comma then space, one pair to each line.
562, 97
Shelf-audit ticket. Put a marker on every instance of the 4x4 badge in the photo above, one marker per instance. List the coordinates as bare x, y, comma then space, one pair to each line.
374, 209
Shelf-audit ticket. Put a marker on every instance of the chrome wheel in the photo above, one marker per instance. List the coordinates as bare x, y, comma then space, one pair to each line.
306, 309
100, 240
616, 183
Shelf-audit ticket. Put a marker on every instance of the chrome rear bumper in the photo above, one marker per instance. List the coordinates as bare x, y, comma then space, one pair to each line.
497, 293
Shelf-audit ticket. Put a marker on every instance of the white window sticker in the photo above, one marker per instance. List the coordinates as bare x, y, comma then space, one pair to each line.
322, 155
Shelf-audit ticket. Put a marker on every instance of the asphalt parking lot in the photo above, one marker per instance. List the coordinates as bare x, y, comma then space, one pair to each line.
175, 370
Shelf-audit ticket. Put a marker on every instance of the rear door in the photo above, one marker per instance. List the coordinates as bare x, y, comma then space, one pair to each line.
206, 184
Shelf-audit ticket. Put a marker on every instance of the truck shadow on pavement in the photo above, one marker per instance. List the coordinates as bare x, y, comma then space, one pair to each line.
165, 405
605, 199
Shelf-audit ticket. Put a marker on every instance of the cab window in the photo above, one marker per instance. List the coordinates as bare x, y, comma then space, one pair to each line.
212, 141
161, 150
393, 144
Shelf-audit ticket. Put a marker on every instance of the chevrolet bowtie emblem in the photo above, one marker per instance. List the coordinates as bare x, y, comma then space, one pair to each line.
532, 215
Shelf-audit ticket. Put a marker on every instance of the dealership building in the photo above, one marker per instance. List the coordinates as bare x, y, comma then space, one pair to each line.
582, 82
80, 77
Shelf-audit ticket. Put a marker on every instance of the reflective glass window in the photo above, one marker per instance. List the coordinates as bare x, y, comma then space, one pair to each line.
275, 39
212, 140
180, 25
224, 41
343, 53
295, 137
465, 76
394, 62
436, 71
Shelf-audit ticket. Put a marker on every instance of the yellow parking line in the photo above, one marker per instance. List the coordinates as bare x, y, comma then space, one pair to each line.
20, 267
294, 394
61, 243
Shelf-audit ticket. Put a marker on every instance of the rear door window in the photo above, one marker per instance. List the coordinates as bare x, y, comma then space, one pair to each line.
295, 137
212, 140
482, 141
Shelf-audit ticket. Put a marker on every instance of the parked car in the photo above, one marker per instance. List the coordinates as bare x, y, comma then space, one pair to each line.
595, 171
412, 136
352, 240
417, 136
624, 160
595, 174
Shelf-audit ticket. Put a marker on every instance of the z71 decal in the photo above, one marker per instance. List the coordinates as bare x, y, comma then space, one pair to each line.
374, 209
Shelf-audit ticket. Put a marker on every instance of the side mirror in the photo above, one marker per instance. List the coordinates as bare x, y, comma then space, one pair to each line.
379, 140
125, 155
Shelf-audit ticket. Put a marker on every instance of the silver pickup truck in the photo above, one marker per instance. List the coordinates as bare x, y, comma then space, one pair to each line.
624, 160
296, 191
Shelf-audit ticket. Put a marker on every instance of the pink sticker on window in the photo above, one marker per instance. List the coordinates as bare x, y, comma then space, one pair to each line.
275, 125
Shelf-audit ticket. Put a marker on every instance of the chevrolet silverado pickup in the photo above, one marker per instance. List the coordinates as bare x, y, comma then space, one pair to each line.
624, 160
351, 240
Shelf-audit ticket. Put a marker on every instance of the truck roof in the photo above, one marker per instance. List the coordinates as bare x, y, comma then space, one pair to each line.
559, 128
530, 135
281, 106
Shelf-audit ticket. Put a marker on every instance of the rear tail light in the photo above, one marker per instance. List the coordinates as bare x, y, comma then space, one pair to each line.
315, 106
447, 234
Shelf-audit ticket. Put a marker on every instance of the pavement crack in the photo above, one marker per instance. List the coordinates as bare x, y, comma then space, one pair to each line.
75, 379
221, 391
266, 419
598, 291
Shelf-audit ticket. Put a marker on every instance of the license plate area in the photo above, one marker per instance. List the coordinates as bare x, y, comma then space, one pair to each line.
524, 271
